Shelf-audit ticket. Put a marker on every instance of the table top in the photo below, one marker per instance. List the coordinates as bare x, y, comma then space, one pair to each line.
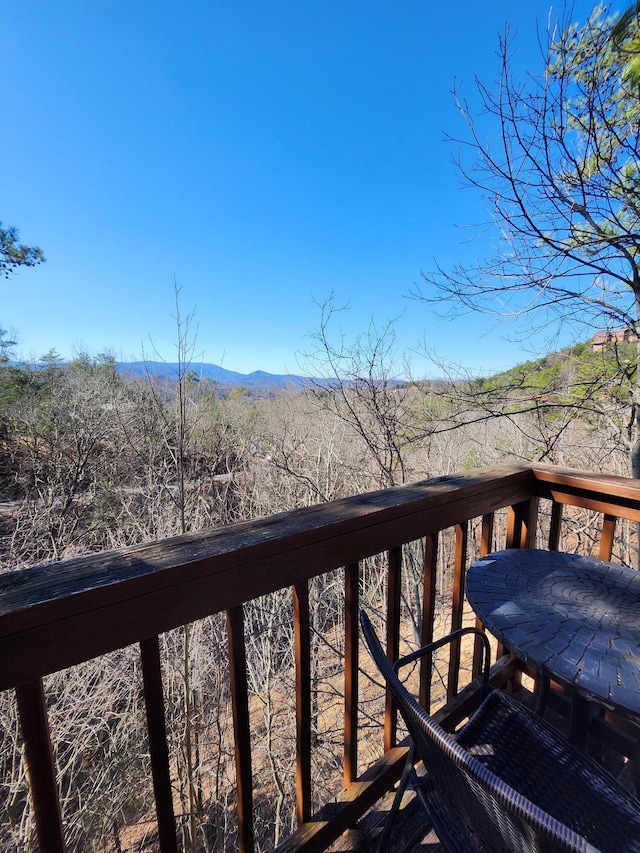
575, 618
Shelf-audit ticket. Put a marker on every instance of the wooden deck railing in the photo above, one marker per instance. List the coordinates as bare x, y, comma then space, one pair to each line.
58, 615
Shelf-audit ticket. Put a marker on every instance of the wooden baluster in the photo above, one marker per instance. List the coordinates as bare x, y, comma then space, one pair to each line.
428, 613
530, 522
459, 569
606, 537
241, 726
522, 522
351, 647
302, 640
555, 526
486, 546
394, 583
32, 709
541, 683
154, 705
513, 532
486, 534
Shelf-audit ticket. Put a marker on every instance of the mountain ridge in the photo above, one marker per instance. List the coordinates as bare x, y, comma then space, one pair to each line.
257, 379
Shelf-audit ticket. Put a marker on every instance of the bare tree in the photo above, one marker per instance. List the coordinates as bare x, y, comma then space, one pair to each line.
561, 174
362, 386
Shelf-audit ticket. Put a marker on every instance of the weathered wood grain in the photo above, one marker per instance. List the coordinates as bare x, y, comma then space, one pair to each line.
61, 614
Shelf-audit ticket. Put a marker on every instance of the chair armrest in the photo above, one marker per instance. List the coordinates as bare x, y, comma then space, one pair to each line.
450, 638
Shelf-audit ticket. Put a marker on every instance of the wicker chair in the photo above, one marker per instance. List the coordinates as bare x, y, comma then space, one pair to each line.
507, 781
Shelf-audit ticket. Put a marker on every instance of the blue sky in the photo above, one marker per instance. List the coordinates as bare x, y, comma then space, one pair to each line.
263, 154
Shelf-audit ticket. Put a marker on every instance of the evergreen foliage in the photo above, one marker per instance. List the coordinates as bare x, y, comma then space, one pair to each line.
14, 254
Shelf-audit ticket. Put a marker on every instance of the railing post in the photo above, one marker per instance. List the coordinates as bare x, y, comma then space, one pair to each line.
486, 534
486, 545
428, 612
459, 569
302, 641
606, 537
522, 520
351, 645
154, 705
555, 526
394, 584
32, 709
241, 727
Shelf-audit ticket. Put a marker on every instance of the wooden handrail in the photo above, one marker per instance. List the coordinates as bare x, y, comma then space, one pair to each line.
58, 615
603, 493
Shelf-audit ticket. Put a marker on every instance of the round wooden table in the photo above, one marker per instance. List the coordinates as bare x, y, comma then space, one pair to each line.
574, 619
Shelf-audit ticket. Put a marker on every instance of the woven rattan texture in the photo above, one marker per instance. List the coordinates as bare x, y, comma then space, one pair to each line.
509, 783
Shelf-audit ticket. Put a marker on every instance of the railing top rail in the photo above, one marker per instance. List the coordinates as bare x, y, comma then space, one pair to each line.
173, 560
605, 493
59, 614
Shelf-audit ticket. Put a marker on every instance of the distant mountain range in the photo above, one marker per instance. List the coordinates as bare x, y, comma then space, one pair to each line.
256, 381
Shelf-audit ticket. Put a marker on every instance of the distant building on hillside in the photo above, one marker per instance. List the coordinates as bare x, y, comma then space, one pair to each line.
619, 336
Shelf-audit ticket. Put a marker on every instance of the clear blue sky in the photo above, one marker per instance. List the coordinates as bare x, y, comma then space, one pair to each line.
264, 154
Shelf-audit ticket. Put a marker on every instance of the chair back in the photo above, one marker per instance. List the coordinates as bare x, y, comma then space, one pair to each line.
493, 817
